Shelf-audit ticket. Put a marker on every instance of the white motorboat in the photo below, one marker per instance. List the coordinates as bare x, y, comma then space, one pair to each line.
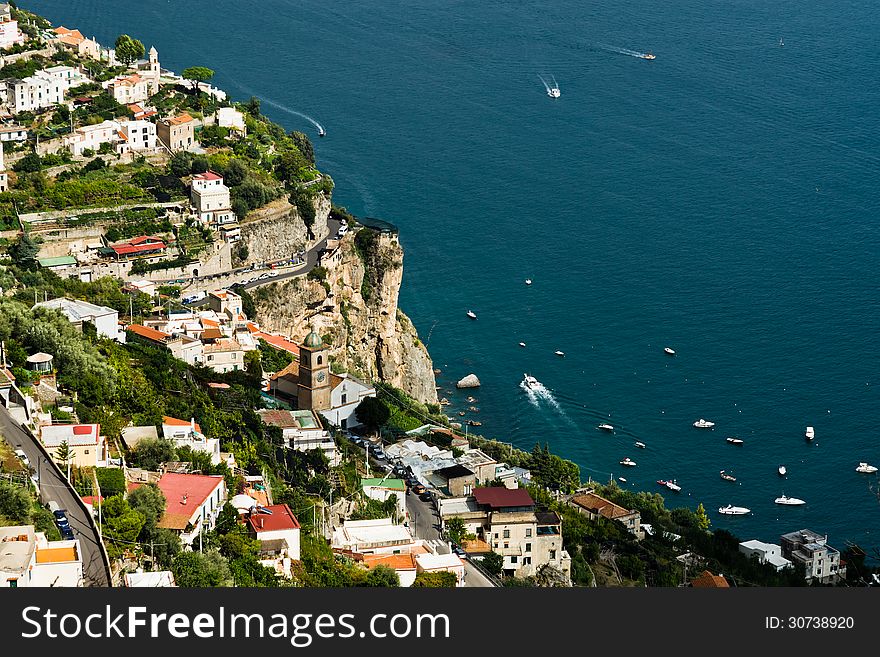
781, 470
471, 314
621, 479
528, 281
866, 469
727, 476
670, 484
810, 433
531, 382
733, 440
605, 427
640, 444
559, 353
554, 92
703, 424
522, 344
628, 461
669, 350
731, 510
790, 501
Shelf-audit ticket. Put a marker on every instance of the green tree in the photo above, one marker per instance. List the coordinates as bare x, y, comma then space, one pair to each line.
435, 580
252, 106
382, 576
494, 563
111, 481
30, 163
235, 173
373, 413
703, 521
149, 501
304, 145
122, 526
227, 520
197, 74
23, 252
180, 164
15, 504
455, 529
149, 453
63, 453
201, 569
128, 50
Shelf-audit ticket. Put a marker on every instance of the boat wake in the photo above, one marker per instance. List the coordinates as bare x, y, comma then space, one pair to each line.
538, 393
283, 108
625, 51
552, 90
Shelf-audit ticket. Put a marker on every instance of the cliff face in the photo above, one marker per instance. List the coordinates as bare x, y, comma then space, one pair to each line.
277, 231
355, 309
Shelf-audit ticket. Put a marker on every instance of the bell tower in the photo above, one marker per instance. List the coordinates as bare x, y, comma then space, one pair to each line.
313, 392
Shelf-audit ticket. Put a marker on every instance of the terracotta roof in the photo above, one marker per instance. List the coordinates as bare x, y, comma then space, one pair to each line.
174, 422
601, 506
291, 370
184, 494
179, 120
130, 249
279, 342
497, 497
212, 334
148, 333
209, 323
128, 80
707, 580
395, 561
223, 345
208, 175
146, 239
281, 519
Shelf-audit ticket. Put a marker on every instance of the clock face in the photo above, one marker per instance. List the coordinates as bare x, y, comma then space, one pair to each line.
320, 376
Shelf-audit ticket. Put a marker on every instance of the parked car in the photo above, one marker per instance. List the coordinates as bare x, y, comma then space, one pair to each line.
23, 457
67, 534
459, 551
418, 489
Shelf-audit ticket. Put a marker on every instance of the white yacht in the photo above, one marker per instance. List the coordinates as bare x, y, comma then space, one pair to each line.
731, 510
621, 479
554, 92
865, 468
471, 314
628, 461
733, 440
640, 444
522, 344
528, 281
790, 501
781, 470
559, 353
703, 424
605, 427
531, 382
810, 433
670, 484
669, 350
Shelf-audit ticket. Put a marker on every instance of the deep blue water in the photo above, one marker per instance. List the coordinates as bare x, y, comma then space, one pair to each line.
721, 200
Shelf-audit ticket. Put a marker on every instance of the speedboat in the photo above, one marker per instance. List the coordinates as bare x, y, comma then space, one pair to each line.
781, 470
528, 281
628, 461
670, 484
559, 353
554, 92
727, 476
703, 424
621, 479
731, 510
790, 501
649, 55
522, 344
605, 427
810, 433
865, 468
640, 444
669, 350
733, 440
471, 314
531, 382
321, 132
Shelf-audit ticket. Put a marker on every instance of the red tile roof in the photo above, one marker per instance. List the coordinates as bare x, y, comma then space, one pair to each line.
600, 506
174, 422
281, 519
184, 494
148, 333
208, 175
279, 342
179, 120
497, 497
707, 580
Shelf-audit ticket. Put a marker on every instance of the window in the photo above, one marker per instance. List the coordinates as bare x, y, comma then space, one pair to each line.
210, 358
513, 559
528, 547
320, 359
528, 532
506, 533
552, 554
506, 545
527, 561
86, 451
496, 534
344, 398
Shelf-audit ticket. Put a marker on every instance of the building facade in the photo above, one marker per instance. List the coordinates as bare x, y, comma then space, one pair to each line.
809, 550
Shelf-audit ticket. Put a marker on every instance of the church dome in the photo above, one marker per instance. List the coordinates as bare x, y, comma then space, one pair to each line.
313, 340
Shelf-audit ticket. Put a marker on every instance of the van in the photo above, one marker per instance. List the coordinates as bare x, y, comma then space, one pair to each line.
23, 457
54, 506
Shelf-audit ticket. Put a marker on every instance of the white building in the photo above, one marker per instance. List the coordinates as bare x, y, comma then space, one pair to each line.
382, 489
811, 551
189, 434
229, 117
156, 579
277, 529
346, 392
92, 137
28, 559
302, 430
33, 93
210, 198
765, 553
188, 349
379, 536
192, 503
223, 355
88, 448
438, 563
127, 89
137, 135
10, 34
105, 320
13, 133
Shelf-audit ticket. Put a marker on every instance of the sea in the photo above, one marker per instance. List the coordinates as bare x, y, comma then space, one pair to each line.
721, 200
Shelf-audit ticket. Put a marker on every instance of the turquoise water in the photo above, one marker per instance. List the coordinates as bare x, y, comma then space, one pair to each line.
720, 200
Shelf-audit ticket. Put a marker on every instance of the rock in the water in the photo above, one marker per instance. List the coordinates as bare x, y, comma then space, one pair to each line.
470, 381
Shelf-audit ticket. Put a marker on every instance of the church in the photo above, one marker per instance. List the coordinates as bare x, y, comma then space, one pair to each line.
308, 384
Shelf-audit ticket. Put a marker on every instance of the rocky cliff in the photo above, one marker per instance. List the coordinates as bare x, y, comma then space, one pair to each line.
277, 231
352, 303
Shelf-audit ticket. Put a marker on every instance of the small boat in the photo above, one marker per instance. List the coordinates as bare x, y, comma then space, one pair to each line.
669, 350
640, 444
471, 314
474, 409
559, 353
462, 413
528, 281
649, 55
605, 427
781, 470
444, 402
554, 92
621, 479
670, 484
531, 382
703, 424
522, 344
731, 510
321, 132
727, 476
628, 461
790, 501
474, 423
733, 440
471, 400
781, 42
866, 469
810, 433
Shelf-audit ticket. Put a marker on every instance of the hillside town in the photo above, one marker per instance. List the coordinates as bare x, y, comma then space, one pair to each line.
157, 434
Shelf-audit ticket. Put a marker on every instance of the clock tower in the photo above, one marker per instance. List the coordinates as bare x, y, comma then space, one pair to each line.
313, 392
